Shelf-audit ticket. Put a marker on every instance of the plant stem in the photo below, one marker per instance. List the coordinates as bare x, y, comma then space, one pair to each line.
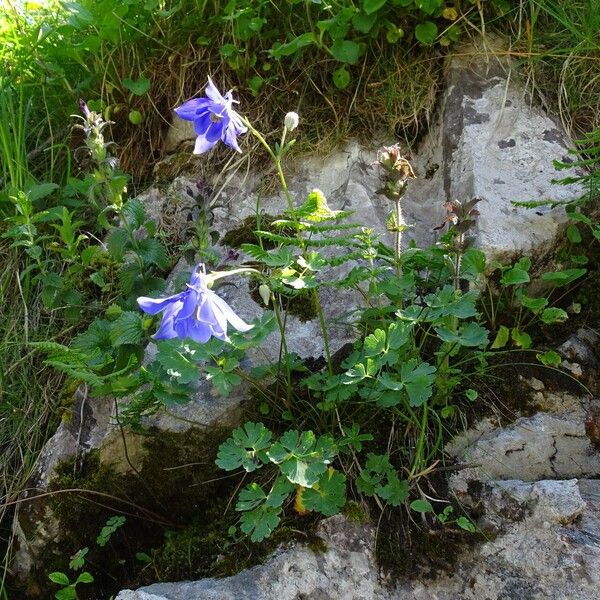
398, 236
288, 395
324, 331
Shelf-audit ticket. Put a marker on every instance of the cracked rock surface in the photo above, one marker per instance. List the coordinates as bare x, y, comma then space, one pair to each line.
546, 547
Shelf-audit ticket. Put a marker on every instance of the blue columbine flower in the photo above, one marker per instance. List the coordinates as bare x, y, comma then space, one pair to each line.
198, 313
214, 119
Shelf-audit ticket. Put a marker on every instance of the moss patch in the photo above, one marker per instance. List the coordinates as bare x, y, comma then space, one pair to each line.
302, 304
179, 511
246, 232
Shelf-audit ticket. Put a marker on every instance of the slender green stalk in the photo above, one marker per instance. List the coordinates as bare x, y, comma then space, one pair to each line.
324, 332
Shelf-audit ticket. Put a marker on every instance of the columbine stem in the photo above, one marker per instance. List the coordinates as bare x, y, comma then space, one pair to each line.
277, 161
281, 326
324, 331
398, 236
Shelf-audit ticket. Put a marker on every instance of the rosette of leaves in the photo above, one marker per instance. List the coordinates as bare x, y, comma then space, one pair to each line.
303, 461
379, 478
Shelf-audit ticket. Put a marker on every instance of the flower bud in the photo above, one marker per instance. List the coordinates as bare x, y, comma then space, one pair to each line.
291, 121
265, 293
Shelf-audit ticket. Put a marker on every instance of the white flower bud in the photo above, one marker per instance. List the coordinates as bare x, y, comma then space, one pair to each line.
265, 293
291, 121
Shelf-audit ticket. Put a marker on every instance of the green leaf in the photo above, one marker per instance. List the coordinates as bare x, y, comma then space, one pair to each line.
398, 334
306, 39
466, 524
473, 263
363, 21
565, 277
520, 338
357, 373
576, 216
450, 302
40, 190
67, 593
421, 506
134, 213
426, 33
341, 78
533, 304
501, 338
78, 559
97, 278
127, 329
371, 6
260, 522
345, 51
353, 437
515, 276
135, 117
224, 382
316, 209
376, 471
301, 457
554, 315
328, 495
395, 492
250, 497
471, 395
107, 531
418, 380
139, 87
280, 492
394, 34
281, 257
58, 577
177, 365
85, 577
143, 557
153, 253
117, 242
375, 343
471, 335
573, 234
550, 358
428, 6
246, 448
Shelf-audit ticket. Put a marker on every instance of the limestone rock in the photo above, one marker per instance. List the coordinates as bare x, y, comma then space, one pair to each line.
179, 132
549, 550
542, 446
488, 141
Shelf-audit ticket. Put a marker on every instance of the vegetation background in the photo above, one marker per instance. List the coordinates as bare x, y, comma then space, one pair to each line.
349, 67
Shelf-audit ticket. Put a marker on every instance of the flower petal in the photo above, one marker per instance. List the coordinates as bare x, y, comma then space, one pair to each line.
202, 122
166, 330
189, 305
189, 110
190, 328
215, 131
235, 321
229, 137
213, 93
210, 313
153, 306
203, 145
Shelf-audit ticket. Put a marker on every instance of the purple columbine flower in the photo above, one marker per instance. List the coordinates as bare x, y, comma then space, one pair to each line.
197, 313
214, 119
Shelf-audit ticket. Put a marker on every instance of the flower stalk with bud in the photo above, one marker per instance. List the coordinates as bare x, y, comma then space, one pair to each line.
397, 172
109, 185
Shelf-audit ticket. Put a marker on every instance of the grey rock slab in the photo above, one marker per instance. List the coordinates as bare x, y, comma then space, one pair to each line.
490, 142
346, 570
544, 445
549, 550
